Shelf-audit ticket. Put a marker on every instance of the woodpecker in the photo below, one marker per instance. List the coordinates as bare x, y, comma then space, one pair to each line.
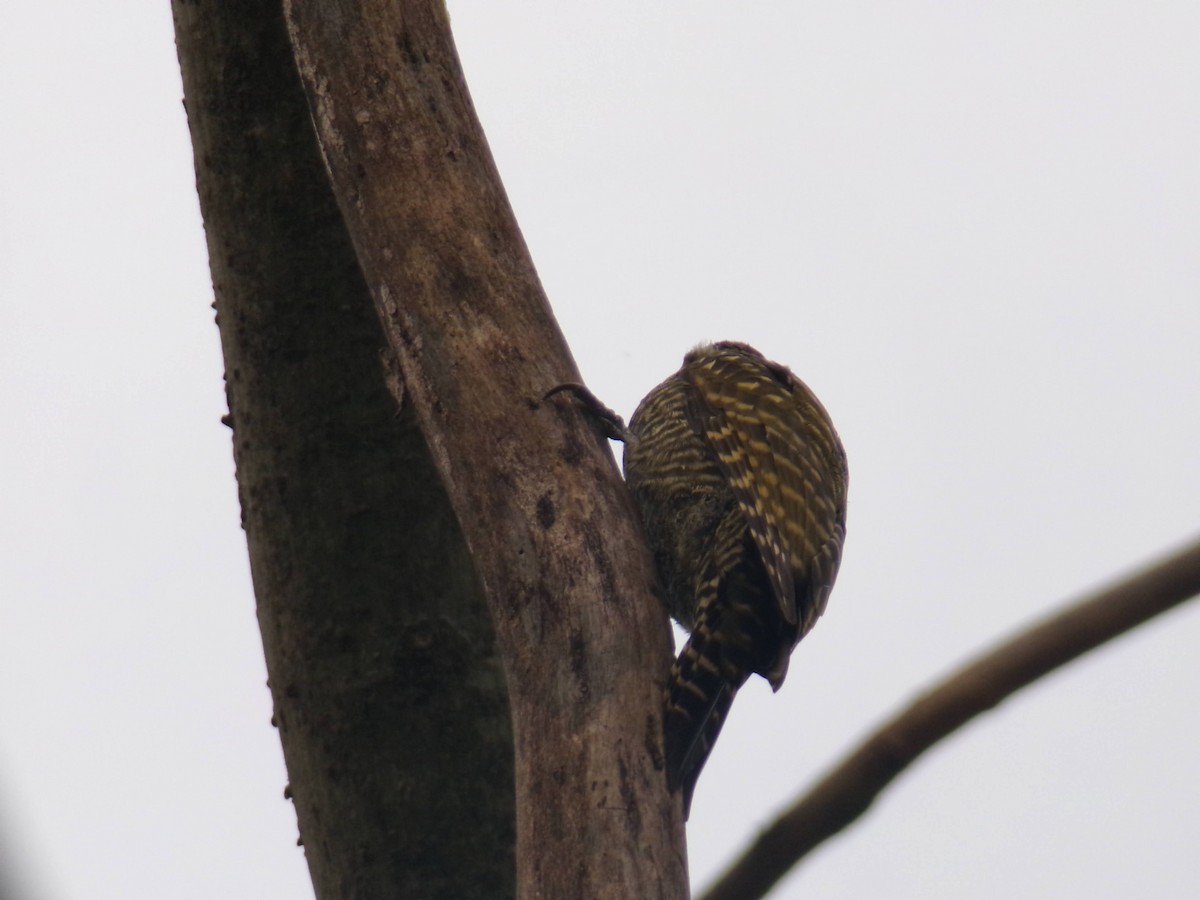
740, 480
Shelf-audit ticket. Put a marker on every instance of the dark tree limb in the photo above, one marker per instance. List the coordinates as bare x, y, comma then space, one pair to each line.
846, 792
388, 690
542, 508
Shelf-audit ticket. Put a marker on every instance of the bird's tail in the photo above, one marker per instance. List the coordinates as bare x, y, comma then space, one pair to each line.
699, 694
737, 632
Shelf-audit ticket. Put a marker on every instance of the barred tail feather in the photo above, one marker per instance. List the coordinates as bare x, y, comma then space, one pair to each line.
699, 695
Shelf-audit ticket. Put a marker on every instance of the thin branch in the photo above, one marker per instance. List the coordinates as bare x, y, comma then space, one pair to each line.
846, 792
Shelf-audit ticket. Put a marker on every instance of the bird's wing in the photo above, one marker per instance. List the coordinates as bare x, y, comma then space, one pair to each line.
775, 444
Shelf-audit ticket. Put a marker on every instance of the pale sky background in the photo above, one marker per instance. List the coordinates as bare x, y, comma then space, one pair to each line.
972, 228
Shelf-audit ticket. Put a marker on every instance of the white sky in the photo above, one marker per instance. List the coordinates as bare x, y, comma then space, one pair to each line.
973, 228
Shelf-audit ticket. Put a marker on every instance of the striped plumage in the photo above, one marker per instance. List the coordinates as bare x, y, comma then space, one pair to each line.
740, 480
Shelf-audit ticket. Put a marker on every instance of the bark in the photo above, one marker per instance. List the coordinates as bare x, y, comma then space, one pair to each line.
382, 665
388, 690
548, 522
849, 790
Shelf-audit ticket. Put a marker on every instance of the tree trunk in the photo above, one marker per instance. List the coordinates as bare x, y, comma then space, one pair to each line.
388, 691
382, 666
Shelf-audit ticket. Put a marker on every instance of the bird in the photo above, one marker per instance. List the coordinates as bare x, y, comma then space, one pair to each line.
740, 481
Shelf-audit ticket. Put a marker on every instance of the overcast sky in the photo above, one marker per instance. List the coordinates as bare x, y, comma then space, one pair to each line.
972, 228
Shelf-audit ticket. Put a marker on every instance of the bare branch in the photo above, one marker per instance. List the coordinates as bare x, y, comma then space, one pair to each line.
846, 792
